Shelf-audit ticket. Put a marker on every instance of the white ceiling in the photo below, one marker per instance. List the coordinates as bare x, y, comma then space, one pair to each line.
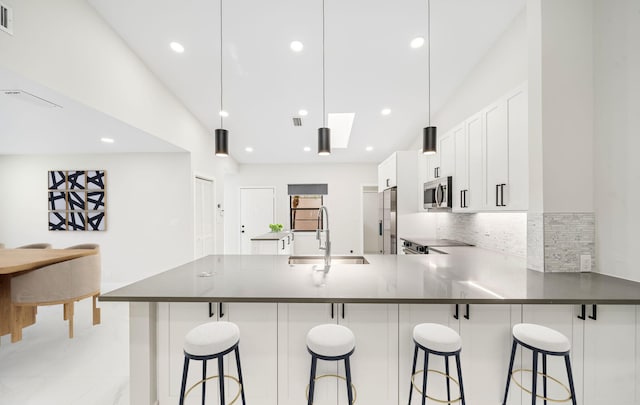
368, 63
30, 128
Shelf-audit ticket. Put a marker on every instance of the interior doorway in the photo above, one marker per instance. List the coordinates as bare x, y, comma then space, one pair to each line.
257, 211
371, 237
205, 228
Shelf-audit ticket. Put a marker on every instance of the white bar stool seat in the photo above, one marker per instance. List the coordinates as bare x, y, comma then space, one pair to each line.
331, 342
437, 337
210, 341
541, 337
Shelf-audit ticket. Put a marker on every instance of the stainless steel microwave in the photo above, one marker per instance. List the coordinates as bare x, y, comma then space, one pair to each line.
437, 193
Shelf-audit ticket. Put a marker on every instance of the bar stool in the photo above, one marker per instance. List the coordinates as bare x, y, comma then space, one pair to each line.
211, 341
440, 340
331, 342
548, 342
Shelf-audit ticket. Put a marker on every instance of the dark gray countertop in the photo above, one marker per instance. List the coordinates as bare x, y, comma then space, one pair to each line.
465, 275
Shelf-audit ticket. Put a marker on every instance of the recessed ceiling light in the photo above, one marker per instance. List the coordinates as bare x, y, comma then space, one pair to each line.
307, 149
417, 42
385, 111
107, 140
296, 46
303, 113
249, 149
177, 47
369, 148
223, 113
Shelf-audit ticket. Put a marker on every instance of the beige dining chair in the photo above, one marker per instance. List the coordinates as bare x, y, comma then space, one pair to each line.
36, 246
59, 283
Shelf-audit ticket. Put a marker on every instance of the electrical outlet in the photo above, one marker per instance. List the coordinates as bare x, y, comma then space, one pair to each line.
585, 263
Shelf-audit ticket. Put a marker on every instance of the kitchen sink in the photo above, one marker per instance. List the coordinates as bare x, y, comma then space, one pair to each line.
334, 260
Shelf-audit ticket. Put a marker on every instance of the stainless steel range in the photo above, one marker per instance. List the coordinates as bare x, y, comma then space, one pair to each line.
418, 246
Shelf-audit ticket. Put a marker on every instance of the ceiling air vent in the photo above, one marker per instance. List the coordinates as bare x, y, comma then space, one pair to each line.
6, 19
297, 121
29, 98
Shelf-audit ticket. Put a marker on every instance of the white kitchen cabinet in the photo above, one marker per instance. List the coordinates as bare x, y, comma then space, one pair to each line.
281, 246
610, 356
387, 173
446, 152
506, 152
603, 351
294, 361
258, 350
468, 184
374, 363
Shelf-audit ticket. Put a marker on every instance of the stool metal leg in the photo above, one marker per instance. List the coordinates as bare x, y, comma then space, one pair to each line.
312, 378
221, 378
513, 356
347, 370
185, 369
460, 379
240, 374
567, 361
413, 370
424, 377
534, 378
544, 377
446, 370
204, 380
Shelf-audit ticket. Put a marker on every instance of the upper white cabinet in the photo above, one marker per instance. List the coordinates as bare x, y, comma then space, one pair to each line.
468, 184
387, 173
446, 152
506, 153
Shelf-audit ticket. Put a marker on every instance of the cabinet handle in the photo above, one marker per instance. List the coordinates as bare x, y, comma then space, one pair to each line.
387, 182
220, 310
461, 198
464, 198
456, 314
380, 228
466, 315
583, 312
497, 194
502, 204
211, 311
332, 314
282, 244
343, 310
594, 312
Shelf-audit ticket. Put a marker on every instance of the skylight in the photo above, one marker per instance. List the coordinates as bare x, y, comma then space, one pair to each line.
340, 125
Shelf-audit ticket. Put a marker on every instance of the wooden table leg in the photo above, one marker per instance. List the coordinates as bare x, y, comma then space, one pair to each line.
13, 318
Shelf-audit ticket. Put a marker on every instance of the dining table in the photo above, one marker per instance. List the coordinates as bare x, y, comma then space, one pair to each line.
14, 262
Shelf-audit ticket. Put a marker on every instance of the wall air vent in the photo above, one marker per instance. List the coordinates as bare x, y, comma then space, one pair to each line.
6, 19
29, 98
297, 121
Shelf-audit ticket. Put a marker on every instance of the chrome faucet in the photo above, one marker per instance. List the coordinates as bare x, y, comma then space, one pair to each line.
322, 214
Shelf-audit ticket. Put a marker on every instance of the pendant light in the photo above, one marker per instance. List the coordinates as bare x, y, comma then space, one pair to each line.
324, 133
222, 135
429, 138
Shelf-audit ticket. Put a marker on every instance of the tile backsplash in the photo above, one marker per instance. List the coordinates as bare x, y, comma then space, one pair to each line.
504, 232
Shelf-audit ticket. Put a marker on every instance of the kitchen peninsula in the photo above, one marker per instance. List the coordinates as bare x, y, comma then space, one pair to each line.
480, 293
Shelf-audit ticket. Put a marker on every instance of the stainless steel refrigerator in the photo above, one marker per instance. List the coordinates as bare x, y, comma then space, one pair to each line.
387, 221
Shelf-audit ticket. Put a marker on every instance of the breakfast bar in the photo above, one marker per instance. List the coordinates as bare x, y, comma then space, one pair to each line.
478, 292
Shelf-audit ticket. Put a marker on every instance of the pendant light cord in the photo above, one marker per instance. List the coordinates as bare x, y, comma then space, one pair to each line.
428, 56
221, 105
324, 115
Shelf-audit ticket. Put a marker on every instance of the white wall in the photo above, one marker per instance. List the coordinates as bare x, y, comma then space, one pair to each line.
617, 141
567, 105
344, 200
149, 214
501, 69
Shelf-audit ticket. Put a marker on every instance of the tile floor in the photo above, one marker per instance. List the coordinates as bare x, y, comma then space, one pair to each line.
48, 368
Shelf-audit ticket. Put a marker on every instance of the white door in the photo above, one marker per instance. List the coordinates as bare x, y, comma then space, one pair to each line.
205, 225
257, 211
370, 221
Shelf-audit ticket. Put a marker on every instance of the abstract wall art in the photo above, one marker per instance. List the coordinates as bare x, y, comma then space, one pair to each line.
77, 200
